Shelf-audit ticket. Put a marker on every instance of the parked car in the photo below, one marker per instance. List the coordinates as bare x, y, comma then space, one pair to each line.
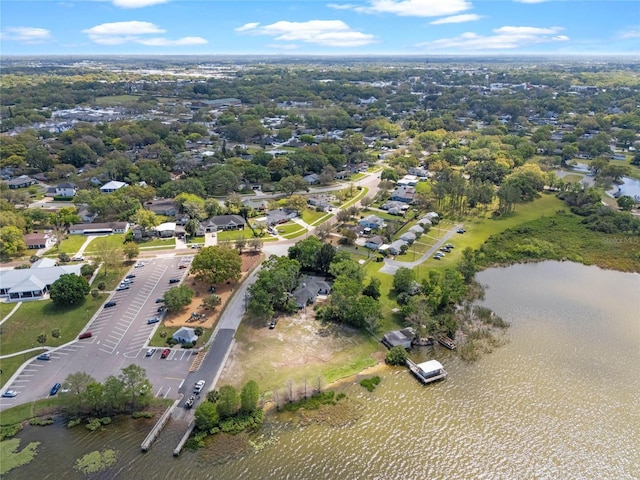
138, 265
150, 352
461, 230
198, 386
10, 394
77, 259
153, 320
174, 280
165, 353
159, 300
131, 275
272, 325
44, 356
54, 389
449, 245
182, 266
110, 304
161, 309
85, 335
190, 401
121, 287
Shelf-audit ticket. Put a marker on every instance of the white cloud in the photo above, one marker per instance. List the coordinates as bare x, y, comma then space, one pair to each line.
117, 33
409, 8
28, 35
506, 37
468, 17
631, 33
330, 33
137, 3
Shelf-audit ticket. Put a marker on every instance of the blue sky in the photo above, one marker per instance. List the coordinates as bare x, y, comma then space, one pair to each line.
362, 27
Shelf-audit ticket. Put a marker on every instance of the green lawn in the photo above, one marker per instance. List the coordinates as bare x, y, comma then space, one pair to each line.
158, 242
5, 308
70, 245
41, 317
116, 240
230, 235
358, 196
312, 217
113, 100
25, 411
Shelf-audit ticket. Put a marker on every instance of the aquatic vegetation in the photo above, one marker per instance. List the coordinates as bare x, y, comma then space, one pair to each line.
11, 458
96, 461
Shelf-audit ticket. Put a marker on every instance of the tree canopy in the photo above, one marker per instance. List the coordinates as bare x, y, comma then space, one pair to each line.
69, 289
217, 264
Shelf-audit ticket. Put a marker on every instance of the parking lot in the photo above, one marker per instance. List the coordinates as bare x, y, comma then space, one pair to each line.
119, 337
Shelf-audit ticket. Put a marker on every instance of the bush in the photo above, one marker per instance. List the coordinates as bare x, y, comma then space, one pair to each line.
314, 402
396, 356
370, 383
105, 420
93, 424
87, 269
188, 344
172, 341
41, 422
22, 266
142, 415
73, 423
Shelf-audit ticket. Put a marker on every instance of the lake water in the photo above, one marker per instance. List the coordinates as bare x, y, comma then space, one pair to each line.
560, 400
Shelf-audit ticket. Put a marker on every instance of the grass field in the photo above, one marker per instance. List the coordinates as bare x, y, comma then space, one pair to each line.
114, 100
70, 245
115, 240
41, 317
158, 242
312, 217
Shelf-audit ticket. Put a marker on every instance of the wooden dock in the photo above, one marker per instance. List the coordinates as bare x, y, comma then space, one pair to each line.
447, 342
426, 376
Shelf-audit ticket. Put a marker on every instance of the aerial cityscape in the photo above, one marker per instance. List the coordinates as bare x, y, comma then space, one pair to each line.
379, 239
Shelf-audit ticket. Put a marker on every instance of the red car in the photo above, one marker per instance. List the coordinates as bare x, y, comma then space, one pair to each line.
85, 335
165, 353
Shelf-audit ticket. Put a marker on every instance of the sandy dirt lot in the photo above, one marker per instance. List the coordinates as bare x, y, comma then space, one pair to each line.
249, 261
299, 349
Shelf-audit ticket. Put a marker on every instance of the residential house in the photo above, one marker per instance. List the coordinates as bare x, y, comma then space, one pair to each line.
374, 243
395, 248
166, 229
36, 241
319, 201
392, 204
260, 205
112, 186
417, 230
163, 206
373, 222
23, 181
107, 228
408, 181
85, 215
403, 194
408, 237
343, 175
281, 215
227, 222
311, 179
309, 287
66, 189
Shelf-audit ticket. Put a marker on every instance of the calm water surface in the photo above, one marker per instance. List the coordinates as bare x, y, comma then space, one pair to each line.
560, 400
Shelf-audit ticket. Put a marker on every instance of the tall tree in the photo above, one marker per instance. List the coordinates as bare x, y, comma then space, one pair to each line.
69, 289
217, 264
249, 396
228, 401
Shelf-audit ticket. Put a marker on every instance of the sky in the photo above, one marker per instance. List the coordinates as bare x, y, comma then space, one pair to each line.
316, 27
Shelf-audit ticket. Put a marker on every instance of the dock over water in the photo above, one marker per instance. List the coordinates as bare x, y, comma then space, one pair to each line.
427, 372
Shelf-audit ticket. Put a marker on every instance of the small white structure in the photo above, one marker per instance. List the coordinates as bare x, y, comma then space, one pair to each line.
112, 186
185, 334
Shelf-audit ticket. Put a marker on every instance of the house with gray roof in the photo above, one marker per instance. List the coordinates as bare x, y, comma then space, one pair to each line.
309, 287
374, 243
185, 335
395, 248
281, 215
417, 230
408, 237
372, 221
23, 181
402, 338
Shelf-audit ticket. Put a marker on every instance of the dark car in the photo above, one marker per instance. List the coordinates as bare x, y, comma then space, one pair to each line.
110, 304
165, 353
85, 335
44, 356
159, 300
174, 280
182, 265
161, 309
55, 389
461, 230
131, 275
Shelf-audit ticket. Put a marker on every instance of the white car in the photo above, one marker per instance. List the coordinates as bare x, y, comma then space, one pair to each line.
10, 393
199, 386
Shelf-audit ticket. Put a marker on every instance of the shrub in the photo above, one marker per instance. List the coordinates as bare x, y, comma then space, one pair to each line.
74, 422
370, 383
105, 420
142, 415
9, 431
87, 269
22, 266
41, 422
314, 402
93, 424
172, 341
396, 356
